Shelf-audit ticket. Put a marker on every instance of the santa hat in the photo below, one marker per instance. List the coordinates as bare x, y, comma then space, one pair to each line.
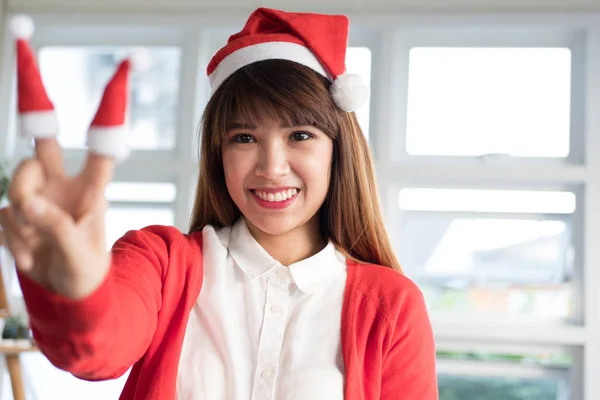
37, 118
318, 41
107, 134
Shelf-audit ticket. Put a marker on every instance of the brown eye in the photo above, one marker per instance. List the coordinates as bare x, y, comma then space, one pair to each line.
300, 136
243, 138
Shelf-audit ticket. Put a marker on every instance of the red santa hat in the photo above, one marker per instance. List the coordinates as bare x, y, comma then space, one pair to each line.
37, 118
318, 41
107, 134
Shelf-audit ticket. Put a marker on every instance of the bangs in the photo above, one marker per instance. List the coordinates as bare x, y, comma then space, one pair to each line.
275, 89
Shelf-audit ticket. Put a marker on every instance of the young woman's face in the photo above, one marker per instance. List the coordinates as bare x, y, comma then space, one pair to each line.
278, 176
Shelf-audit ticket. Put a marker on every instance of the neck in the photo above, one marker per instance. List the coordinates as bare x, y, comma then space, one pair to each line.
293, 246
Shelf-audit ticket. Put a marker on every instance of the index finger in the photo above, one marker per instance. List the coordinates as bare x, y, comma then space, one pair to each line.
28, 179
49, 153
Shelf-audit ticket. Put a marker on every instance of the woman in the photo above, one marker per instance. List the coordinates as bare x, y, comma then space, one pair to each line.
285, 287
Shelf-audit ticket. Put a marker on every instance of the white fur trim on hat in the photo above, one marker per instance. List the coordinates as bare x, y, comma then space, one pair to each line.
349, 92
109, 142
264, 51
21, 27
38, 124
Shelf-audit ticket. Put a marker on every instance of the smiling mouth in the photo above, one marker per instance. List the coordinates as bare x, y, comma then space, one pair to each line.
276, 197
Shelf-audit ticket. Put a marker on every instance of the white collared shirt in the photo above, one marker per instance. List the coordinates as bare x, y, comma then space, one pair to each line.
260, 330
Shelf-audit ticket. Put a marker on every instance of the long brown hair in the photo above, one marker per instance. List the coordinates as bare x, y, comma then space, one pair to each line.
351, 214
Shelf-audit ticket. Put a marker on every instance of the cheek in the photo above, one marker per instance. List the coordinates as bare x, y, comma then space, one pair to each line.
234, 172
315, 171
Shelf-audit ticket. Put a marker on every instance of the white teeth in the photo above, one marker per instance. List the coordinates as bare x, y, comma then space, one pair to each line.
276, 197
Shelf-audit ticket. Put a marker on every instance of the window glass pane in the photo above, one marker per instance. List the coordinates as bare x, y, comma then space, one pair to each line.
75, 78
141, 192
497, 388
358, 61
120, 219
492, 264
478, 101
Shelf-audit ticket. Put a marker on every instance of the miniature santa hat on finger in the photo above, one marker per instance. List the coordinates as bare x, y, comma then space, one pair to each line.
108, 133
318, 41
37, 118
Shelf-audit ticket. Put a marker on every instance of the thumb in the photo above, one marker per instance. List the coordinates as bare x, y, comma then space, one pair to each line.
48, 218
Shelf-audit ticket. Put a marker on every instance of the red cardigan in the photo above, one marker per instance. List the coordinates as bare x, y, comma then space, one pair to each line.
139, 314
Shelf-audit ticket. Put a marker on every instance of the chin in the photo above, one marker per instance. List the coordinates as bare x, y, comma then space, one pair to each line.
274, 226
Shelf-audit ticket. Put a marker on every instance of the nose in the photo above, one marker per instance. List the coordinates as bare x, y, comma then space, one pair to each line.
272, 161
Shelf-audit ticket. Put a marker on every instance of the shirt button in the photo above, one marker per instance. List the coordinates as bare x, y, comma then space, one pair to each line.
281, 275
267, 374
275, 309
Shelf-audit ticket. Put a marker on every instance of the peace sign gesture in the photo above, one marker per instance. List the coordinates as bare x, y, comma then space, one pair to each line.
54, 226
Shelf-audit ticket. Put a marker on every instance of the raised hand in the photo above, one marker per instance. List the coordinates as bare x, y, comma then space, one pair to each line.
54, 226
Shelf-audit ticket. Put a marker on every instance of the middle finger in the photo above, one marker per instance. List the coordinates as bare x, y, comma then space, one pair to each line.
49, 153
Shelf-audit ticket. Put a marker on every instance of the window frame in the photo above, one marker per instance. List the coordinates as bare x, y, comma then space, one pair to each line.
573, 173
517, 35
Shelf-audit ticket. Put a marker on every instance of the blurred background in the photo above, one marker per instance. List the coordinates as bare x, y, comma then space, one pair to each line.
484, 120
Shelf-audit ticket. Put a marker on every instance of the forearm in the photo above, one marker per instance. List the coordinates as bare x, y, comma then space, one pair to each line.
97, 337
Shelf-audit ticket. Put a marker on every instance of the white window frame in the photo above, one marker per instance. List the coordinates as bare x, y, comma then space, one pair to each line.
480, 36
397, 171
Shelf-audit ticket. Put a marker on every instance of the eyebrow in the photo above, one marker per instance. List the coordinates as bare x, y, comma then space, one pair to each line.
242, 125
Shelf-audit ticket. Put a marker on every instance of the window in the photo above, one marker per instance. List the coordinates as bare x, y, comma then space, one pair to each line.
487, 199
481, 252
480, 101
75, 78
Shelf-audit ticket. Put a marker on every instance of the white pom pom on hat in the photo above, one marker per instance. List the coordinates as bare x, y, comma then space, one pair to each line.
317, 41
21, 27
349, 92
140, 60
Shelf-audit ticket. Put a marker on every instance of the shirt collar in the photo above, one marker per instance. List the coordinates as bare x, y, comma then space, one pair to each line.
308, 274
247, 253
313, 272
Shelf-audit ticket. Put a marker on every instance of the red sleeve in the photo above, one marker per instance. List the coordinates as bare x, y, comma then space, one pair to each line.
101, 336
409, 368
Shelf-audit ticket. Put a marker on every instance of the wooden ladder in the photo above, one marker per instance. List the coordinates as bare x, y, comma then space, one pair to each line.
10, 351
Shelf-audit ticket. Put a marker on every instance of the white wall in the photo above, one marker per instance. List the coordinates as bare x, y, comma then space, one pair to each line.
351, 6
